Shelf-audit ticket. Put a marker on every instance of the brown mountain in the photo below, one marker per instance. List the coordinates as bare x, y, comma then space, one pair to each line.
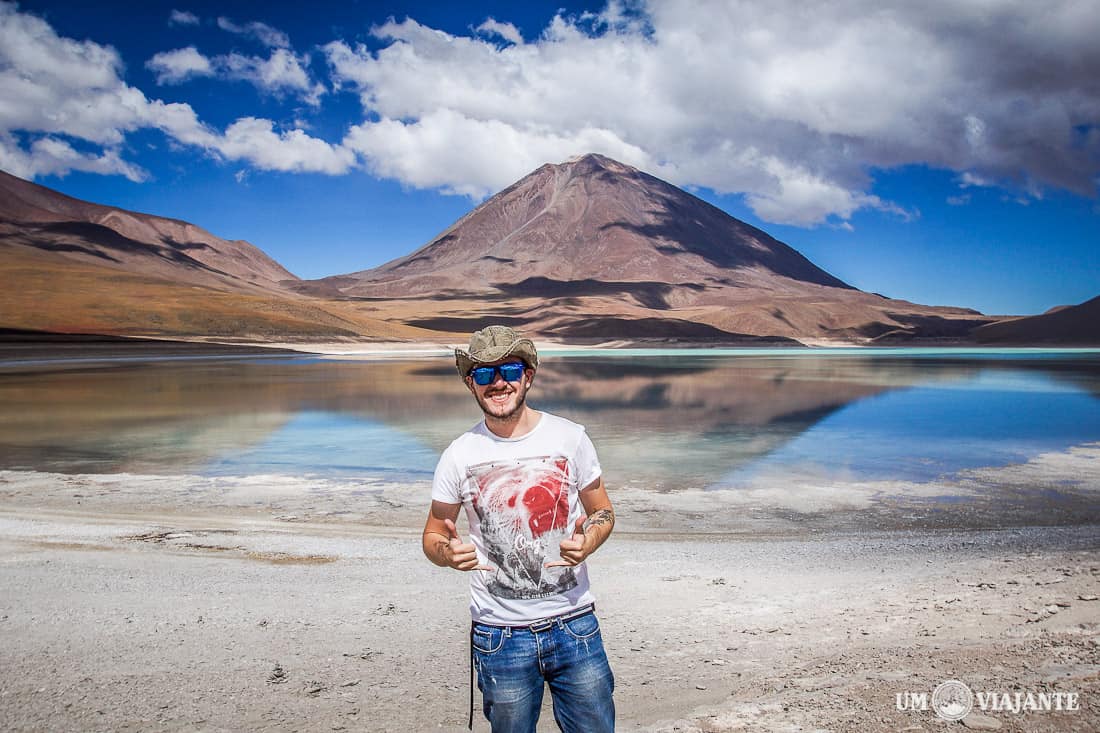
34, 217
71, 266
1075, 324
593, 248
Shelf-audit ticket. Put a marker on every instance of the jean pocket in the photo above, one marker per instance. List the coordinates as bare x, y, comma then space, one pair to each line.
487, 639
582, 627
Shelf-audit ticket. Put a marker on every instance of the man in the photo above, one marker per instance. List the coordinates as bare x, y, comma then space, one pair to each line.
537, 508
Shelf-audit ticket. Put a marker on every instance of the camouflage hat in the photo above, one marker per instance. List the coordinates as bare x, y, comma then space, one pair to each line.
493, 343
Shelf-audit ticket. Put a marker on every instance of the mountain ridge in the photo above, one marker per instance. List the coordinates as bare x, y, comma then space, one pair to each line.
69, 266
37, 217
595, 239
588, 250
1062, 325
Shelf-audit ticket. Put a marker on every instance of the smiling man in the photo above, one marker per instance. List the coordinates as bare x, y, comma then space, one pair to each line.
537, 508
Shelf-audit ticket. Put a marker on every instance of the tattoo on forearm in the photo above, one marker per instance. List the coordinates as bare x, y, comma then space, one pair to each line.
441, 549
603, 516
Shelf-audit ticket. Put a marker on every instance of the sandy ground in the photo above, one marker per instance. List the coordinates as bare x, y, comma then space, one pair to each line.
234, 604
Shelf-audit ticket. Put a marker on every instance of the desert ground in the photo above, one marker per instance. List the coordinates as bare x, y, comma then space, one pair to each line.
179, 603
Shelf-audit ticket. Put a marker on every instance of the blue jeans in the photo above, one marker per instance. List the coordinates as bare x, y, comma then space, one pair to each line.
514, 663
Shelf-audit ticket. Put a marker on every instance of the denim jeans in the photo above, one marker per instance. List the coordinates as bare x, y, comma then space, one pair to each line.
514, 663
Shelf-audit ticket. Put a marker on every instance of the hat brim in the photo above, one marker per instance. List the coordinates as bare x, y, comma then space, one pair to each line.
523, 348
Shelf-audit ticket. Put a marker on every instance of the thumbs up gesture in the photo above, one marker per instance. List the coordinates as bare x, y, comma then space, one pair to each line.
572, 548
461, 555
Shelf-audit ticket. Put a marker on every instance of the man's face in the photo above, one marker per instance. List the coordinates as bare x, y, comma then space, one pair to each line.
500, 399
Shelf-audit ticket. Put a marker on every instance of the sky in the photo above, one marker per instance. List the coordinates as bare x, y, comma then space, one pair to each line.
944, 152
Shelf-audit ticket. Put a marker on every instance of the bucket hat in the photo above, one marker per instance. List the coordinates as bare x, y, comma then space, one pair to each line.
493, 343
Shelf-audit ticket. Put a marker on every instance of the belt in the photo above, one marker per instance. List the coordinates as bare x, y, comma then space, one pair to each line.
545, 623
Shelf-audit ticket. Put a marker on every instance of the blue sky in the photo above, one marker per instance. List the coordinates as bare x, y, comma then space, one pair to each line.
946, 153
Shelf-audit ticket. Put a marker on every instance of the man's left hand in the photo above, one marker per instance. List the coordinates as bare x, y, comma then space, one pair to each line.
572, 549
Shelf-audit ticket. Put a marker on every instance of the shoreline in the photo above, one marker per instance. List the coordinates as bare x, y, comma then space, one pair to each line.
46, 348
173, 622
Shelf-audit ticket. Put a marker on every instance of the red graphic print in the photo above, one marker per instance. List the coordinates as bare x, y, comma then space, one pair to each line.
523, 508
547, 505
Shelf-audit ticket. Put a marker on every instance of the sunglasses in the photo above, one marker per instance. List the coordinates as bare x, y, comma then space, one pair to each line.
512, 372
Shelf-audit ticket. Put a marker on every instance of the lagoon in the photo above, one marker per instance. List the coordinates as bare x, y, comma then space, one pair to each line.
901, 437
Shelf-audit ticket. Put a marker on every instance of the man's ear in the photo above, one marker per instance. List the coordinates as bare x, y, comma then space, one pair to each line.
529, 375
469, 383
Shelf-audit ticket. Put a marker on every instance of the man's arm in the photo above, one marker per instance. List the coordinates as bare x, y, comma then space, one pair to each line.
441, 542
593, 531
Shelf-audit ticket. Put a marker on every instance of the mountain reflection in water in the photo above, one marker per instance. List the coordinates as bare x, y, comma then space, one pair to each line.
661, 422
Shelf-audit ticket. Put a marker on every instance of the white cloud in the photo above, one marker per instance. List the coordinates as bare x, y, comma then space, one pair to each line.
281, 73
262, 32
491, 154
182, 17
257, 142
174, 67
65, 107
969, 178
50, 156
792, 106
56, 85
507, 31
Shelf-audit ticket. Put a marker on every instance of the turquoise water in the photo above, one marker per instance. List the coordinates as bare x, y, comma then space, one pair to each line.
662, 420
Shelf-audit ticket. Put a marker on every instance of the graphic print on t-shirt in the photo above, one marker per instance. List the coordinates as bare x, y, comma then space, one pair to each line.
523, 509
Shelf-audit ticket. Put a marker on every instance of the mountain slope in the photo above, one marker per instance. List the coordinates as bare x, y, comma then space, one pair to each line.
70, 266
596, 249
1076, 324
36, 217
590, 219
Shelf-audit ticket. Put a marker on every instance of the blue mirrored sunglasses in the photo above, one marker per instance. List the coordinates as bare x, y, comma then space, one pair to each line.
512, 372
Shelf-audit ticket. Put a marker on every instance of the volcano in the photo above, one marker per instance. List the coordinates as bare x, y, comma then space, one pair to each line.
594, 248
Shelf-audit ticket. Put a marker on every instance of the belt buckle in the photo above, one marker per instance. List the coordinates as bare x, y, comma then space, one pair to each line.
542, 625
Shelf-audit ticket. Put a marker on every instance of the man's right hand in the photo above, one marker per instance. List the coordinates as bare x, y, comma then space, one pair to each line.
461, 555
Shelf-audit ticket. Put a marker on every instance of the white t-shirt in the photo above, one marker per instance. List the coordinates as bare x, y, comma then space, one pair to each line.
521, 498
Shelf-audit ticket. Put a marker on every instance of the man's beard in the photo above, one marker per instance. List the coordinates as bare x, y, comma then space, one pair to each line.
485, 402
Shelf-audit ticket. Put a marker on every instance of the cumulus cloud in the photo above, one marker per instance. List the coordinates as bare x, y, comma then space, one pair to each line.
262, 32
281, 73
65, 107
491, 154
792, 107
257, 141
507, 31
174, 67
182, 17
50, 156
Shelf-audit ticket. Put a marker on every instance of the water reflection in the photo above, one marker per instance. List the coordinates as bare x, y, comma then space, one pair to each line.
660, 423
